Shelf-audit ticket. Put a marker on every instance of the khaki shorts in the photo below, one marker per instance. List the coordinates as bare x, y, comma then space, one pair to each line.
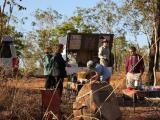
131, 78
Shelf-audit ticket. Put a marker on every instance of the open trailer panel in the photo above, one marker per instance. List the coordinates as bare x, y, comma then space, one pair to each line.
85, 45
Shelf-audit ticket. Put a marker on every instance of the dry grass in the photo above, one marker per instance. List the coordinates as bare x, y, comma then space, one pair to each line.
21, 100
26, 105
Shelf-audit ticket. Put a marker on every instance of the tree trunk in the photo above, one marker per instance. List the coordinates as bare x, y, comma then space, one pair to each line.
2, 18
115, 56
154, 50
158, 33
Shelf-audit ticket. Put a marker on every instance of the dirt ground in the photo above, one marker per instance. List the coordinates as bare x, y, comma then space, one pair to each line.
144, 110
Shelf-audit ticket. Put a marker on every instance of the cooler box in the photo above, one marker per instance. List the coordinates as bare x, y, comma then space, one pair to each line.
51, 103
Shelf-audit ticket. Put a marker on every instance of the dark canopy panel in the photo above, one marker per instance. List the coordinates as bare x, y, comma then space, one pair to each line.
86, 45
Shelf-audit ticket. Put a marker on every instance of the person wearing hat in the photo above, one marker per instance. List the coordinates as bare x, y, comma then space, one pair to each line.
46, 65
104, 52
100, 70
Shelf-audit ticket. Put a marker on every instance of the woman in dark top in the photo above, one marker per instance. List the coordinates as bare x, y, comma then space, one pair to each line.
61, 64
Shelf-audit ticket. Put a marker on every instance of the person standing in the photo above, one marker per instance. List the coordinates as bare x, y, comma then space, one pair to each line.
134, 69
58, 67
104, 52
46, 64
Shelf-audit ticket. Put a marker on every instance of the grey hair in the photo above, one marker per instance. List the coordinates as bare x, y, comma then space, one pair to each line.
90, 64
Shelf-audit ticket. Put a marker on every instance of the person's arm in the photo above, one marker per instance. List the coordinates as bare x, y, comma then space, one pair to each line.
59, 59
99, 71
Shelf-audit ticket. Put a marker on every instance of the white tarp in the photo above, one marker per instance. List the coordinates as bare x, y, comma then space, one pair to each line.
63, 40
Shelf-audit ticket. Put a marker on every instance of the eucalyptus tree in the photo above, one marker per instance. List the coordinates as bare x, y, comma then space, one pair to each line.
45, 22
143, 17
74, 24
6, 14
40, 37
7, 20
104, 16
30, 53
119, 49
135, 20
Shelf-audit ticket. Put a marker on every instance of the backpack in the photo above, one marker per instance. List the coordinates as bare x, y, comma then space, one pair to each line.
48, 58
54, 67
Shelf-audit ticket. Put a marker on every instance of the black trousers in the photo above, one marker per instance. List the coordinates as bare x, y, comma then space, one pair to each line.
50, 82
59, 84
54, 82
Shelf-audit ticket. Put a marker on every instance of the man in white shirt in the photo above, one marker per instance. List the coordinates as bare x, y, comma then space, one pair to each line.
104, 53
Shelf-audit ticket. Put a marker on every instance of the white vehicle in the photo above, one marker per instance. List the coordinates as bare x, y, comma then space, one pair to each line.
9, 61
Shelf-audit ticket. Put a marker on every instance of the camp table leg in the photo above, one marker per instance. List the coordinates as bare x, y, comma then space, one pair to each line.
123, 99
134, 95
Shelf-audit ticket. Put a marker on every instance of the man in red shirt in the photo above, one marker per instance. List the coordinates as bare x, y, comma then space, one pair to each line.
134, 69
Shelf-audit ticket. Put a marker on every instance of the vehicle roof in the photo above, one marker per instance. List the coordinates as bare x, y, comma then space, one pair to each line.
7, 38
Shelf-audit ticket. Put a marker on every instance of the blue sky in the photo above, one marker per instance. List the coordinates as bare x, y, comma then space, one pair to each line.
65, 7
62, 6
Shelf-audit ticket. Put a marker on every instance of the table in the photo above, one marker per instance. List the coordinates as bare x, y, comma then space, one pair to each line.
141, 93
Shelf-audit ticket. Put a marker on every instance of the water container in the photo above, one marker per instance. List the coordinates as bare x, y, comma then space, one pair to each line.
135, 83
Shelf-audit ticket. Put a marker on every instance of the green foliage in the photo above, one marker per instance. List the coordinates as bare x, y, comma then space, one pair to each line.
6, 28
120, 47
138, 16
104, 16
74, 24
46, 19
19, 45
63, 29
18, 40
134, 16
